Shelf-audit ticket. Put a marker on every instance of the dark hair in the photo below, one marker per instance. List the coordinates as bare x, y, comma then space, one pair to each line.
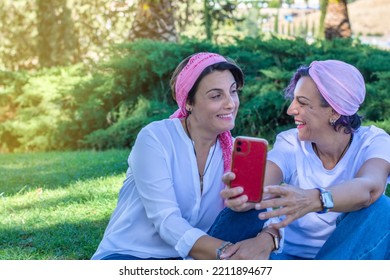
349, 123
220, 66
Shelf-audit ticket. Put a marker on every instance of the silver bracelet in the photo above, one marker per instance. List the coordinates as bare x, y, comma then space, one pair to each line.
222, 249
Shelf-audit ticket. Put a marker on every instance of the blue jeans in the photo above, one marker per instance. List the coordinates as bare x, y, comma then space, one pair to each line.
236, 226
229, 226
362, 234
359, 235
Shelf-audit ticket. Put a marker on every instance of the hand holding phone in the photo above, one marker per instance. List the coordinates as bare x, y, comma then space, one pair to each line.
248, 163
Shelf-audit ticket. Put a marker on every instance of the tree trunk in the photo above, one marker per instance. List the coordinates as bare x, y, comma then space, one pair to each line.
56, 39
208, 20
323, 7
154, 20
337, 23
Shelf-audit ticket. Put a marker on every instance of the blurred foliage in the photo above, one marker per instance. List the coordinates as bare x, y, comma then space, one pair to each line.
60, 32
46, 33
105, 106
31, 107
18, 33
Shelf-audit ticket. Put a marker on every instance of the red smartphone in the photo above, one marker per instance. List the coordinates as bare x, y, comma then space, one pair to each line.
248, 163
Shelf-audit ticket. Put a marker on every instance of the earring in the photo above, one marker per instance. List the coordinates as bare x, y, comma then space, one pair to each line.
332, 122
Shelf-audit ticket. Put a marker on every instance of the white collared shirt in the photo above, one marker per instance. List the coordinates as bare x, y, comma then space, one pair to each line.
161, 212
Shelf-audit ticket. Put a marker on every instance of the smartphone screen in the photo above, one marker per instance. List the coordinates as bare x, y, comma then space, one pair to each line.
248, 163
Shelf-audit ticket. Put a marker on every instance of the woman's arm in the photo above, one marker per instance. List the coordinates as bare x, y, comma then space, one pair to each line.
273, 174
357, 193
368, 184
205, 248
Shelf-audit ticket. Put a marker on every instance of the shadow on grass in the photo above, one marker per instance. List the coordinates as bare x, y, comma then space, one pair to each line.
53, 170
67, 241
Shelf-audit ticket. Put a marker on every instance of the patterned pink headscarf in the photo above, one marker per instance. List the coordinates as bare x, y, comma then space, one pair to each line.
340, 83
185, 81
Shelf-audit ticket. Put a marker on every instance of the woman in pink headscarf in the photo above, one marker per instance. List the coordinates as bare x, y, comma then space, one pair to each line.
171, 195
333, 172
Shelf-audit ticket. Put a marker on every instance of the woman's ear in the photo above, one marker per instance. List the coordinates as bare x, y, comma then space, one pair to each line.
335, 116
188, 108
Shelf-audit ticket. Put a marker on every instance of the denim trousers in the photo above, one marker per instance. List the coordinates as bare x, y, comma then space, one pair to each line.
236, 226
229, 225
359, 235
362, 234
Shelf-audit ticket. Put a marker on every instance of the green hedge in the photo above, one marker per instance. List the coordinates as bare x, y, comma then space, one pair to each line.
104, 106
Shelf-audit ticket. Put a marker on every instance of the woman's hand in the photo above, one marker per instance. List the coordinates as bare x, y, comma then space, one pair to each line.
289, 201
257, 248
233, 198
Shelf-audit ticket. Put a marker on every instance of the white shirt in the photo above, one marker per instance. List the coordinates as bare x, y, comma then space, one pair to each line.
302, 168
161, 212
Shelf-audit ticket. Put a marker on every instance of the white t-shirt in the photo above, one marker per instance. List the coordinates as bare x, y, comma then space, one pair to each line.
160, 211
302, 168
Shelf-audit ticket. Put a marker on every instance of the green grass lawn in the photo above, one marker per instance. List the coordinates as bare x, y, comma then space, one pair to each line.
56, 205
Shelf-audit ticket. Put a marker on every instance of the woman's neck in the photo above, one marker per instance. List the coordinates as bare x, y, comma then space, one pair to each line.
201, 138
331, 151
201, 151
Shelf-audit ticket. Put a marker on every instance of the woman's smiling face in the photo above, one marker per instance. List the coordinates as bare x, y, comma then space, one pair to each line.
216, 102
311, 118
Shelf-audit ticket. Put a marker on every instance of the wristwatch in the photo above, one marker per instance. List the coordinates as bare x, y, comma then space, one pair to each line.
275, 238
326, 200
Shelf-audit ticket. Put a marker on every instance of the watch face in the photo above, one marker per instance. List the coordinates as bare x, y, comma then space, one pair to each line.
327, 199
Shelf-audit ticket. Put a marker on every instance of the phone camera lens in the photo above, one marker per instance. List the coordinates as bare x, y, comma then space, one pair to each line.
239, 143
238, 149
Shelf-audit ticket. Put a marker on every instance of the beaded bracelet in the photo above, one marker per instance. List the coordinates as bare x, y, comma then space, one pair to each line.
222, 249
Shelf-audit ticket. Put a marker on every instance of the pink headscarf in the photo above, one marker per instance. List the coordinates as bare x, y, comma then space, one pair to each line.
185, 81
340, 83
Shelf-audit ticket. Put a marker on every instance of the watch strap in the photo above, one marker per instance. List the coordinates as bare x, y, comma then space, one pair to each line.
274, 236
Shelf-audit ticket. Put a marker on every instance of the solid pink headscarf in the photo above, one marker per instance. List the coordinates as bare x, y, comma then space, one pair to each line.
186, 80
340, 83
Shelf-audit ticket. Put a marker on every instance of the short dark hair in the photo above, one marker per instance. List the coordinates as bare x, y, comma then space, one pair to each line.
349, 123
